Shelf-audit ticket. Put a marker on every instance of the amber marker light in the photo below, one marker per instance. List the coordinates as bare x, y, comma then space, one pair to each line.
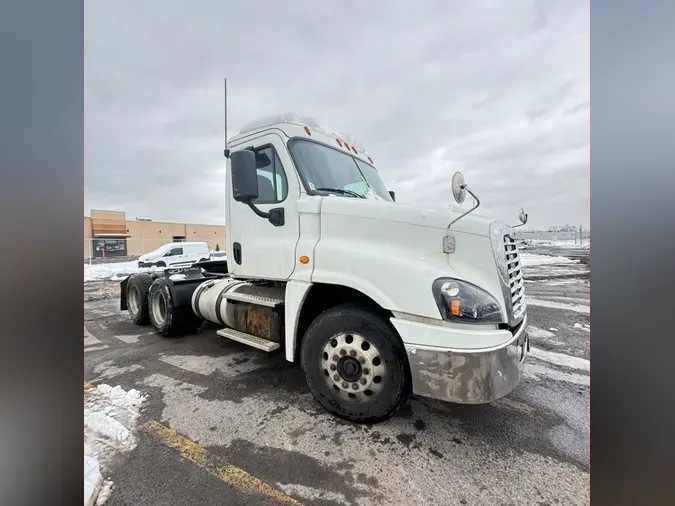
304, 259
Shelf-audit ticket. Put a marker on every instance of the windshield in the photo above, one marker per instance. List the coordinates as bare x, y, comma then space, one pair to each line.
331, 171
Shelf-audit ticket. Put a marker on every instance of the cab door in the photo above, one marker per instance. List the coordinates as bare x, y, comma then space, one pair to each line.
257, 248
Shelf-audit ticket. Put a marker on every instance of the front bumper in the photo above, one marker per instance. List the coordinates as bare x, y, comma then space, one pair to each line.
145, 264
466, 376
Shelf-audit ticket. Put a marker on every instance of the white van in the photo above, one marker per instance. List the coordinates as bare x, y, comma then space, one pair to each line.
175, 254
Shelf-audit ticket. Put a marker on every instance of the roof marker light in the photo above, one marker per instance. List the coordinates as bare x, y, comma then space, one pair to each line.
339, 142
371, 160
354, 150
307, 130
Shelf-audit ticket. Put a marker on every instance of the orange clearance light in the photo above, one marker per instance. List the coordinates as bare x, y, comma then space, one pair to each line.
371, 160
339, 142
307, 130
354, 150
454, 307
304, 259
347, 146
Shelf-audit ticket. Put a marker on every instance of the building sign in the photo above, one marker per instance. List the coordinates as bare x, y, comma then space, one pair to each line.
110, 248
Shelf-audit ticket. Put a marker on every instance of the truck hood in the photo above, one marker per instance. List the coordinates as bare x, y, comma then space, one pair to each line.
381, 210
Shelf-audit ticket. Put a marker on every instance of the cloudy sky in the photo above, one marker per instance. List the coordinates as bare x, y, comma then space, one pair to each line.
498, 89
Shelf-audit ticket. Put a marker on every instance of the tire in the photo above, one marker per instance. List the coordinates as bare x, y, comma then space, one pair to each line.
167, 320
160, 264
375, 401
138, 287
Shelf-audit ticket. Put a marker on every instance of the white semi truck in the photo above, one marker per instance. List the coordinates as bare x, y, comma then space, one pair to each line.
374, 299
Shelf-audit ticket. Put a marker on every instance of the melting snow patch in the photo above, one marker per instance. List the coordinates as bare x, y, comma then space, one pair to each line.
587, 328
110, 415
537, 332
553, 329
104, 493
531, 259
578, 308
561, 359
536, 371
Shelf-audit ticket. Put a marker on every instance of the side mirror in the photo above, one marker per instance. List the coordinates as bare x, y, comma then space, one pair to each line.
458, 187
392, 194
522, 216
244, 176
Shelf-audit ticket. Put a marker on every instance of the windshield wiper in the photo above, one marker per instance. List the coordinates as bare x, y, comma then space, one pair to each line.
341, 192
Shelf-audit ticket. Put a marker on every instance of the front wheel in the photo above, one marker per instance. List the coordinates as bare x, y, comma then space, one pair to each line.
355, 364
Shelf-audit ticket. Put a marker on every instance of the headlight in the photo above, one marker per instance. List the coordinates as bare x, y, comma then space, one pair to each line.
466, 303
497, 232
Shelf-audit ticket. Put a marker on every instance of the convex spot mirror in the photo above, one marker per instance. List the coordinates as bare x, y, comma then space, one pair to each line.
522, 216
458, 187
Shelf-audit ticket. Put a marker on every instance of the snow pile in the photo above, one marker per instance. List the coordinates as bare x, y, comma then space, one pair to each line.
92, 480
531, 260
110, 415
114, 270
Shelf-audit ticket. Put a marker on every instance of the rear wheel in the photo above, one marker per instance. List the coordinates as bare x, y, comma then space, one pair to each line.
138, 286
167, 319
355, 364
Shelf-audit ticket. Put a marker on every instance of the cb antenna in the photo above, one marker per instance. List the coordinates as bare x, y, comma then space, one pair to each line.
227, 151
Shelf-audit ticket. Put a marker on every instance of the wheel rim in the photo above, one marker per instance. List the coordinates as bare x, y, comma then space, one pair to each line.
352, 366
158, 308
134, 299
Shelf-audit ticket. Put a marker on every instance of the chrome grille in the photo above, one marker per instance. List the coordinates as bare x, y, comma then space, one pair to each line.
515, 277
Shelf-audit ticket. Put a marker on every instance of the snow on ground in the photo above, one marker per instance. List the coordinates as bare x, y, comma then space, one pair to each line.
570, 243
531, 260
97, 272
110, 415
119, 270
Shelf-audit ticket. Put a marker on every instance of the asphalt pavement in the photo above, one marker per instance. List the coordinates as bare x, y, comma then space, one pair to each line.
251, 414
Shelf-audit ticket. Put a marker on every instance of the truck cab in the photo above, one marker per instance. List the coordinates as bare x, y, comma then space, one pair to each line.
375, 299
324, 225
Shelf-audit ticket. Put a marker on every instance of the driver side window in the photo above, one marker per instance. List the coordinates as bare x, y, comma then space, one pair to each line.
272, 183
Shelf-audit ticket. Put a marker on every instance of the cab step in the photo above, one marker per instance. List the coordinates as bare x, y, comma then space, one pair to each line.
259, 300
248, 339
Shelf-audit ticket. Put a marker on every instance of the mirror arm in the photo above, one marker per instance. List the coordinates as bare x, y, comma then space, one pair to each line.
275, 216
523, 223
464, 187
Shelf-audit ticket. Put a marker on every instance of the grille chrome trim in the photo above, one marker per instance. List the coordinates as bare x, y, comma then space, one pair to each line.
516, 286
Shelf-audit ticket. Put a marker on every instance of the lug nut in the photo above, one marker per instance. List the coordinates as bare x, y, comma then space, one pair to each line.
343, 352
363, 381
332, 367
362, 360
352, 353
336, 358
344, 384
336, 377
355, 386
366, 370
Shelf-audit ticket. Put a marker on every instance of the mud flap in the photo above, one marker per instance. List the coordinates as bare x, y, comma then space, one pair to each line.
123, 294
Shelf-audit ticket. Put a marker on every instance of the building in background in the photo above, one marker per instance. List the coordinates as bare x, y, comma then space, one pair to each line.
110, 233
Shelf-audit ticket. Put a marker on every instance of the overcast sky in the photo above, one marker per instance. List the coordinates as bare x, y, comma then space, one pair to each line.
498, 89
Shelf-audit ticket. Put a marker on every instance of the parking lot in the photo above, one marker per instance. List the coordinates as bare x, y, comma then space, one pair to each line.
227, 424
